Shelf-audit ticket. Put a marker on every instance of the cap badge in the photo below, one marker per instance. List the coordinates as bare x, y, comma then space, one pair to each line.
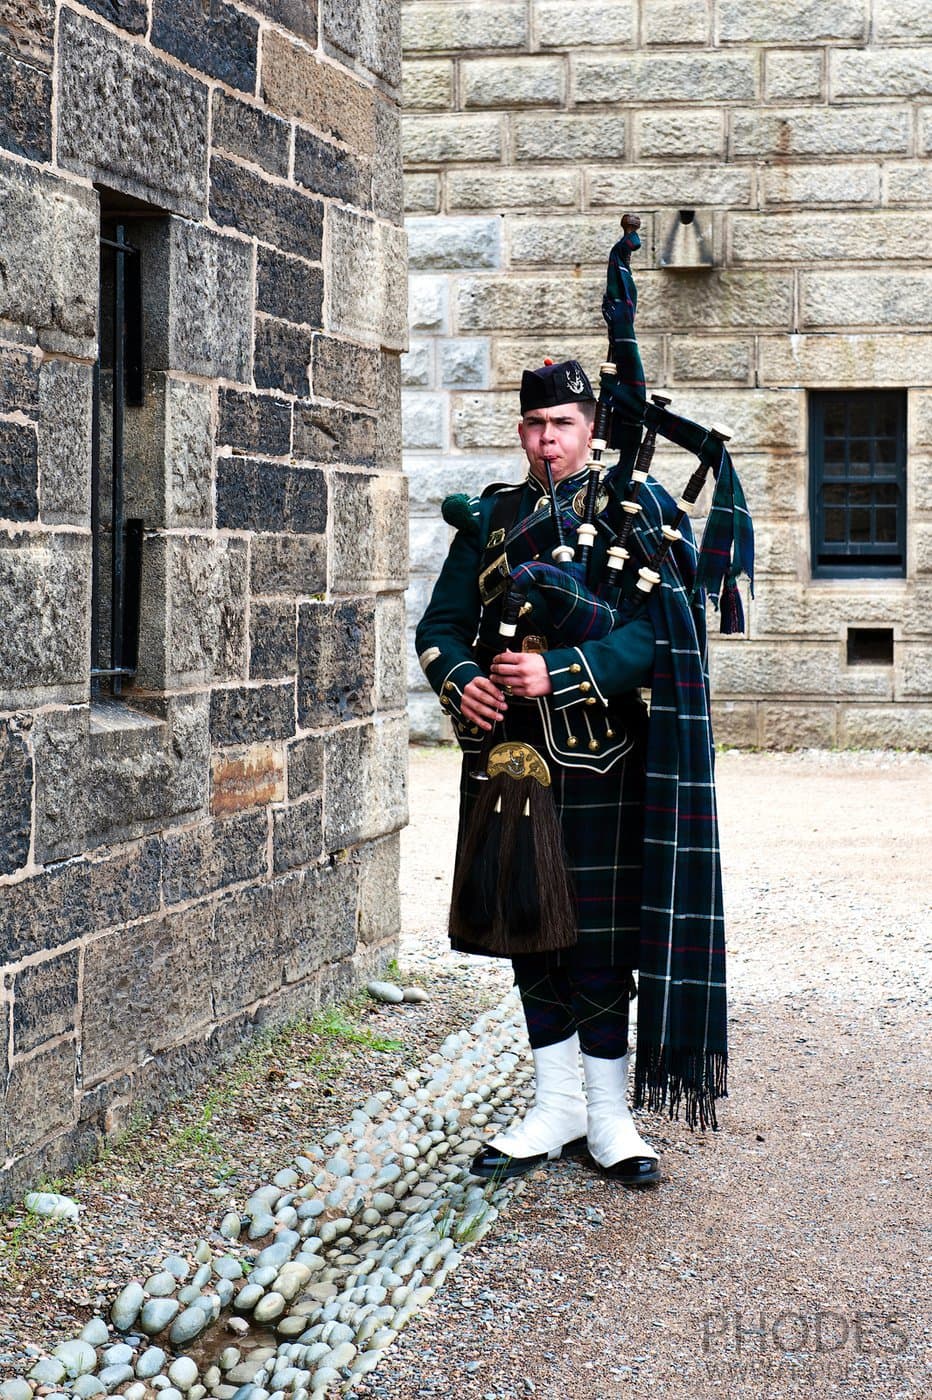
574, 380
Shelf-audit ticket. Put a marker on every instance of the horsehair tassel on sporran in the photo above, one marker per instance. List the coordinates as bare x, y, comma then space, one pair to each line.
618, 553
586, 533
512, 892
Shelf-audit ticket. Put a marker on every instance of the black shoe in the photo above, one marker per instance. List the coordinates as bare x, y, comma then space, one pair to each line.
493, 1164
633, 1171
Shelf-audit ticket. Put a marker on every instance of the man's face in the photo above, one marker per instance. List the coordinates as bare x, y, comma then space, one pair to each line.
559, 435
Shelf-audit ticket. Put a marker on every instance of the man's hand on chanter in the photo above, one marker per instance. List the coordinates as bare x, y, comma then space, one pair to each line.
482, 702
522, 673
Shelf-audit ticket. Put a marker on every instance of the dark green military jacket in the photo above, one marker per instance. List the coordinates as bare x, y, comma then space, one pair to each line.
584, 719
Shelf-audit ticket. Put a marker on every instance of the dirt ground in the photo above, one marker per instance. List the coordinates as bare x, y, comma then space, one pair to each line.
784, 1254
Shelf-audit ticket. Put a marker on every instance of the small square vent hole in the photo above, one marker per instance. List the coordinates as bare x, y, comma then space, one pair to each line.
870, 646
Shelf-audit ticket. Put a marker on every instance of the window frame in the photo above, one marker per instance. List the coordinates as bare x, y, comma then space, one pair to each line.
851, 559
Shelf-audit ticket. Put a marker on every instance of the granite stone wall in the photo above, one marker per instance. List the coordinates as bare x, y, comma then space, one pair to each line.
217, 847
801, 137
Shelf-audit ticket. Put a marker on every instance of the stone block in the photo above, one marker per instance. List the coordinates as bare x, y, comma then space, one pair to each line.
793, 669
436, 244
791, 74
254, 423
421, 194
513, 82
464, 364
343, 370
19, 488
920, 419
427, 28
788, 22
298, 16
16, 778
431, 479
785, 608
242, 715
305, 766
292, 564
844, 183
326, 433
854, 74
19, 382
583, 25
914, 659
834, 360
288, 288
45, 1001
713, 360
429, 725
365, 296
417, 365
512, 189
838, 237
424, 418
27, 28
511, 356
682, 186
73, 899
368, 32
555, 136
139, 127
765, 419
388, 434
247, 131
427, 85
326, 97
908, 184
735, 722
388, 195
207, 857
198, 301
283, 356
902, 19
252, 777
211, 36
266, 497
369, 532
799, 726
379, 899
856, 299
192, 626
326, 169
336, 662
25, 109
64, 448
131, 15
45, 580
821, 132
886, 726
429, 540
390, 676
671, 77
272, 640
781, 548
662, 135
248, 943
240, 198
169, 454
570, 241
758, 300
145, 988
39, 1098
485, 420
297, 834
108, 775
365, 770
48, 231
527, 304
670, 22
776, 484
428, 308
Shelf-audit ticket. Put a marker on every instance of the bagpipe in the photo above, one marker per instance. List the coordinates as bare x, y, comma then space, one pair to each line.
511, 891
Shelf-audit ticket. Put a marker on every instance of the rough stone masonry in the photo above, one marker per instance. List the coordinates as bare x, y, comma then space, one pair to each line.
218, 846
800, 136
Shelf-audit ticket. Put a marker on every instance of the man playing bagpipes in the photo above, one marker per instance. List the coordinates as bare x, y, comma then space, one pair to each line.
587, 842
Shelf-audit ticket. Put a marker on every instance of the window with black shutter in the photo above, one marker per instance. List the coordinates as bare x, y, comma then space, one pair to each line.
857, 479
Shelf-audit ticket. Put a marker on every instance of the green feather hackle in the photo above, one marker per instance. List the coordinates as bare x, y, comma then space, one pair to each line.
457, 512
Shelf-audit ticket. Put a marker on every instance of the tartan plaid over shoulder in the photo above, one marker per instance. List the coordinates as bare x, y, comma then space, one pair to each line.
682, 1048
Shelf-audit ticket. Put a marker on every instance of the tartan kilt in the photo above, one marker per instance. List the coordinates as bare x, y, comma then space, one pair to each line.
602, 819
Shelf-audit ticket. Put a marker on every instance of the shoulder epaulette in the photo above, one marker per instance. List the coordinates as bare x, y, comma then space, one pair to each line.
498, 486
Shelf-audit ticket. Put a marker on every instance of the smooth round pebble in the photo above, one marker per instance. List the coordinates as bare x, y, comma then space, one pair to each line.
385, 991
183, 1372
150, 1363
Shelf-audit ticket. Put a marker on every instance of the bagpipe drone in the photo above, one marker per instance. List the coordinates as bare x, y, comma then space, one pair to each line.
511, 892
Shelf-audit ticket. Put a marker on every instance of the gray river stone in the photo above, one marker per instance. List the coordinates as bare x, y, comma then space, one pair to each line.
112, 1376
248, 1297
231, 1225
274, 1256
161, 1285
120, 1354
86, 1387
49, 1371
16, 1389
78, 1357
228, 1267
126, 1306
385, 991
415, 994
189, 1324
96, 1332
271, 1307
150, 1363
183, 1372
157, 1313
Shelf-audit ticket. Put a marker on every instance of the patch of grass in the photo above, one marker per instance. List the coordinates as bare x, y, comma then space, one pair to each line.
333, 1023
23, 1237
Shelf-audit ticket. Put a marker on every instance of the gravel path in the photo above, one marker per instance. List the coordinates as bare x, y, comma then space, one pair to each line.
786, 1251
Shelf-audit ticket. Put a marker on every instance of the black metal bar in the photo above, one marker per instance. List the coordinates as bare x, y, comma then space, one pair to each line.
119, 398
132, 593
95, 514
